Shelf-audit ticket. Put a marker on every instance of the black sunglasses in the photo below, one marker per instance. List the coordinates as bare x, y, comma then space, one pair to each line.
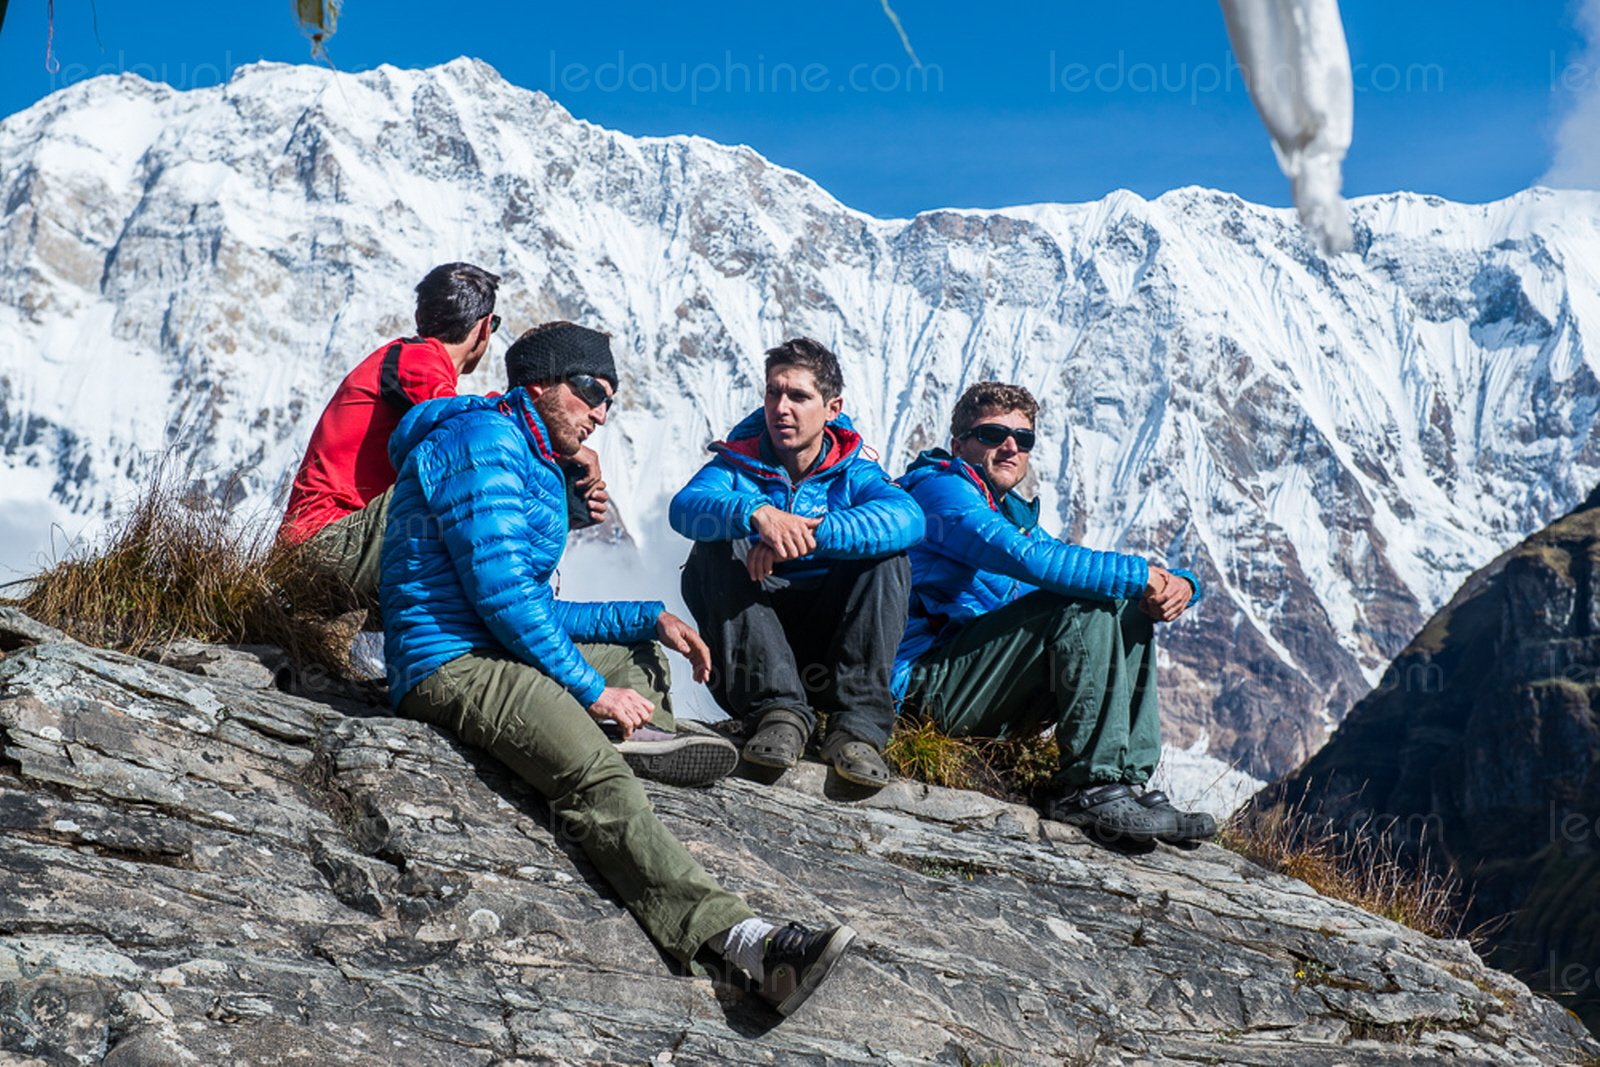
588, 388
993, 435
494, 323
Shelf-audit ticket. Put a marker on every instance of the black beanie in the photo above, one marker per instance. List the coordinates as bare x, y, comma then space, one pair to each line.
556, 351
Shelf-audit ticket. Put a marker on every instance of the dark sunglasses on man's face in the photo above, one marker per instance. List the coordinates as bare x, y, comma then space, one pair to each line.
494, 323
590, 390
993, 435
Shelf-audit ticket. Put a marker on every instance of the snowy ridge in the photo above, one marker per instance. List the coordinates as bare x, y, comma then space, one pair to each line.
1333, 443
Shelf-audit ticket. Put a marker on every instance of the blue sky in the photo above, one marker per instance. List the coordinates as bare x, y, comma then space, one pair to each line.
1015, 103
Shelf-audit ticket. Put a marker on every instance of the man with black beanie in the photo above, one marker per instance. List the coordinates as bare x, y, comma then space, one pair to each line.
477, 643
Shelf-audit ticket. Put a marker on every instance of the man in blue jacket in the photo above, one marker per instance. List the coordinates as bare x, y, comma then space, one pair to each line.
798, 576
1012, 630
477, 643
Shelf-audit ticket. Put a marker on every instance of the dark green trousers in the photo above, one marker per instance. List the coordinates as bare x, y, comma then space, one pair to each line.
535, 727
1086, 667
346, 553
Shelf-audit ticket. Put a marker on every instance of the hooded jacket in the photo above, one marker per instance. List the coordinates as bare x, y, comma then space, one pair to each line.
982, 551
477, 526
867, 516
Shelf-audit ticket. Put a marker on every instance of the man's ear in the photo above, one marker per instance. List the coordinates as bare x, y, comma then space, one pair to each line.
835, 406
534, 391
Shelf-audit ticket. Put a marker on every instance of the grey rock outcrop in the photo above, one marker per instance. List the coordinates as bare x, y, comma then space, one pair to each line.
201, 869
1480, 756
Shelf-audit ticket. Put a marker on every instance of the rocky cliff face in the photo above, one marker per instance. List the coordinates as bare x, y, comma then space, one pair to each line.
1334, 443
199, 868
1481, 750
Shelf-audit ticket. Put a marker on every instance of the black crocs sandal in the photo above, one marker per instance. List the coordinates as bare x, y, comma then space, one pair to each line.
856, 761
1192, 825
1111, 813
779, 742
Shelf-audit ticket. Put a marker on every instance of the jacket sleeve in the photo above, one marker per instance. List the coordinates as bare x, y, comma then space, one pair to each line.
880, 519
483, 521
961, 525
713, 506
617, 622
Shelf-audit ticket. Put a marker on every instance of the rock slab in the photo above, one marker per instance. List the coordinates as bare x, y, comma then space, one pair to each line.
202, 870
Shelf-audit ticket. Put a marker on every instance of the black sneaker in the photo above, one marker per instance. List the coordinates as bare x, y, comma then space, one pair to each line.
1111, 814
678, 759
796, 960
1191, 825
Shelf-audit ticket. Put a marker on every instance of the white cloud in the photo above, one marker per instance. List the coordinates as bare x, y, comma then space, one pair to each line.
1577, 142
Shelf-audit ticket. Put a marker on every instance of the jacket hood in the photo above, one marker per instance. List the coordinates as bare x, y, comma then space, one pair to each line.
744, 445
429, 415
426, 417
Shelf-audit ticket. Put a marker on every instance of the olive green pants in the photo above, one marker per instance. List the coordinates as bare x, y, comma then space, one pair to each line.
346, 554
1086, 667
534, 726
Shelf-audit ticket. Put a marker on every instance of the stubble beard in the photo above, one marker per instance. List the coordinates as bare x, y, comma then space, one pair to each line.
565, 435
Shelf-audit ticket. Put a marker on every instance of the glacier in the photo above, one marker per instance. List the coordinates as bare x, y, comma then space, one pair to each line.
1333, 441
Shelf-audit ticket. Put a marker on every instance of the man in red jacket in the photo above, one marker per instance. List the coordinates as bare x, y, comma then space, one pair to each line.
340, 499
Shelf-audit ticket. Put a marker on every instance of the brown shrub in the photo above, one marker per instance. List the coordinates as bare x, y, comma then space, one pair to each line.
1011, 768
180, 566
1361, 865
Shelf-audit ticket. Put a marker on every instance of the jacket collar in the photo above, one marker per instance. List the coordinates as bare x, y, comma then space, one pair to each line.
749, 447
1013, 507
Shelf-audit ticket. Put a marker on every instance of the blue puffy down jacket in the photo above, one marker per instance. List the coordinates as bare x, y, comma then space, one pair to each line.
477, 525
980, 553
867, 516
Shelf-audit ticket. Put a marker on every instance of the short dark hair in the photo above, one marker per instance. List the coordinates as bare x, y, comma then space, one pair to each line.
813, 356
451, 298
990, 398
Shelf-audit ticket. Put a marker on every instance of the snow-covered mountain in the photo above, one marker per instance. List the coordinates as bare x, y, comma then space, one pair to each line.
1333, 443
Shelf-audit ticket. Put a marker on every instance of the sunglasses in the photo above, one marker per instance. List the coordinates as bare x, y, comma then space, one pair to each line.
590, 390
993, 435
494, 323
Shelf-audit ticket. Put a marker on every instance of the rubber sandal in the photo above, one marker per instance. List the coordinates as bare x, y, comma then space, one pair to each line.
856, 761
1192, 825
1111, 813
779, 742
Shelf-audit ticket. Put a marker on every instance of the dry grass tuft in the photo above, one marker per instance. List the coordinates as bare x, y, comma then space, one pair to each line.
1361, 866
179, 566
1010, 768
922, 751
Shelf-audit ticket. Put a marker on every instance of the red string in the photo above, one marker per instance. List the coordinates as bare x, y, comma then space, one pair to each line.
51, 63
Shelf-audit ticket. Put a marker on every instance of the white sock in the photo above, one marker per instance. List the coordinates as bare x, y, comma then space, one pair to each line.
743, 944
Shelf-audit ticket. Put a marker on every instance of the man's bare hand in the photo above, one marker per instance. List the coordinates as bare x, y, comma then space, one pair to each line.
624, 707
1167, 596
760, 562
681, 637
789, 536
590, 486
596, 497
